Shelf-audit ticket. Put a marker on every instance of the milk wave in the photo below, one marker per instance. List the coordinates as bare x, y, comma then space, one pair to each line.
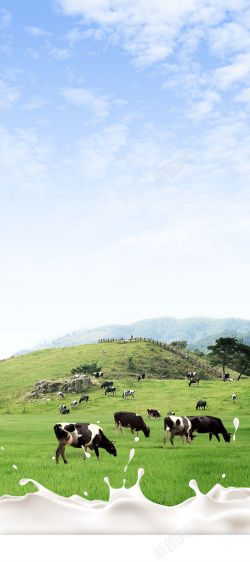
220, 511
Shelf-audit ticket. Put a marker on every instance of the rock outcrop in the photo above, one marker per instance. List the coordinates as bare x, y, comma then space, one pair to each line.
77, 383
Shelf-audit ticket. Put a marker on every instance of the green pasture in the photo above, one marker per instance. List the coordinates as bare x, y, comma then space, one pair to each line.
27, 440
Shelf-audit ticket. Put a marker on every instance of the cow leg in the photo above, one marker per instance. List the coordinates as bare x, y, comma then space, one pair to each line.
96, 451
60, 451
165, 437
210, 436
85, 450
116, 427
132, 431
172, 438
217, 436
121, 428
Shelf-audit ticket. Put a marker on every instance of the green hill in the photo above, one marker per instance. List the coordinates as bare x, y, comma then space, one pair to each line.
119, 361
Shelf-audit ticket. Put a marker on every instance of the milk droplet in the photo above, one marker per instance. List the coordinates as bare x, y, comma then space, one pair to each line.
53, 458
136, 438
85, 493
223, 476
236, 425
98, 422
14, 466
132, 452
2, 448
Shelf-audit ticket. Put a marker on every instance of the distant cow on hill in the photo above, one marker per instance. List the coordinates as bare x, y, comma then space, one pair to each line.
128, 393
234, 398
74, 403
201, 404
154, 413
110, 389
84, 398
141, 377
191, 375
98, 374
107, 383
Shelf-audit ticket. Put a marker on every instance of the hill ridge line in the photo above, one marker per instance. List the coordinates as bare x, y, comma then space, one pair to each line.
169, 348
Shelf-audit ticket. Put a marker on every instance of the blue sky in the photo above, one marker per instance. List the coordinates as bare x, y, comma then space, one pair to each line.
124, 163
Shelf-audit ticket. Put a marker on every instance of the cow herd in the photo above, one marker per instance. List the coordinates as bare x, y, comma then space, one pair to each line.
85, 435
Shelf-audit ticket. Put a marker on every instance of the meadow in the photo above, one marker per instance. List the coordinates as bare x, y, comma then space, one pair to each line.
27, 440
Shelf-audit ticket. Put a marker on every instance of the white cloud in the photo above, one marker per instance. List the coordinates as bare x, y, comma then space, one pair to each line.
151, 31
59, 54
5, 18
36, 31
244, 96
8, 95
83, 97
205, 107
36, 102
239, 70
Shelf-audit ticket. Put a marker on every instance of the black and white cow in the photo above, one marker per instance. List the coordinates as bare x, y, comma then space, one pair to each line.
194, 381
141, 377
84, 398
60, 394
74, 403
110, 389
128, 393
177, 425
201, 404
211, 425
129, 419
98, 374
66, 411
154, 413
62, 407
234, 398
82, 435
171, 414
106, 383
191, 375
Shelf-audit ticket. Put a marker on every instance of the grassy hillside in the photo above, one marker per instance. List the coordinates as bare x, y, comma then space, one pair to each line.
118, 361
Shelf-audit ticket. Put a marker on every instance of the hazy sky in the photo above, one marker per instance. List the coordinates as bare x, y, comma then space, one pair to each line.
96, 98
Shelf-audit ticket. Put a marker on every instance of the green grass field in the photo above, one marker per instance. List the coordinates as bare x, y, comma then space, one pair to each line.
28, 441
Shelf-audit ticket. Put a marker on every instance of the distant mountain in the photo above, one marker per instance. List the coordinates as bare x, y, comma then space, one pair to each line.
198, 332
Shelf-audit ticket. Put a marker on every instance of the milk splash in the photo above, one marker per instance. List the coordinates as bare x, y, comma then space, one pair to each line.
128, 511
236, 425
132, 452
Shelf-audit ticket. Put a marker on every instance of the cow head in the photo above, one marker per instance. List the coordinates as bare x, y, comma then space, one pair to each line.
147, 432
111, 448
227, 437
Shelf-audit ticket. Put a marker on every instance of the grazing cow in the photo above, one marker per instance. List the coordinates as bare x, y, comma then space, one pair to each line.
154, 413
84, 398
194, 381
66, 411
82, 435
141, 377
62, 407
60, 394
171, 413
201, 404
98, 374
177, 425
129, 419
211, 425
110, 389
105, 384
74, 403
128, 393
234, 398
226, 377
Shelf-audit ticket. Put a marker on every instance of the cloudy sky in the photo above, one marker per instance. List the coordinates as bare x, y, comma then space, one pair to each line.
124, 163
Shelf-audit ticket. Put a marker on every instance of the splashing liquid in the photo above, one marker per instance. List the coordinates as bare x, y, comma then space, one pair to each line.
220, 511
236, 425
